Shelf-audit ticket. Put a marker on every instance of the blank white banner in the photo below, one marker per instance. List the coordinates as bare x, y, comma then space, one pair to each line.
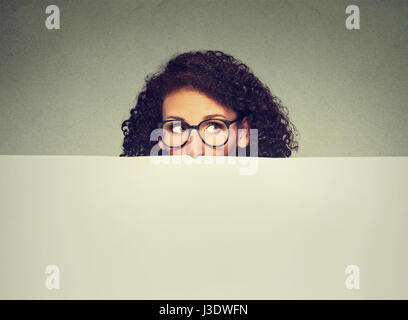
78, 227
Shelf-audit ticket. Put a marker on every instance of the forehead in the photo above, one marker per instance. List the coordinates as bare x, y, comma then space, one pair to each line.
193, 106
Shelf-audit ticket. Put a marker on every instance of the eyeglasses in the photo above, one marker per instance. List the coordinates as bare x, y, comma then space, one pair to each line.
213, 132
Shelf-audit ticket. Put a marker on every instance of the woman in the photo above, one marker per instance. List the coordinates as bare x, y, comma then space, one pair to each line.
207, 103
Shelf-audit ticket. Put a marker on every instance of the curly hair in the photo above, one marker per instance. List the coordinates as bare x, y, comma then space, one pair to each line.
222, 78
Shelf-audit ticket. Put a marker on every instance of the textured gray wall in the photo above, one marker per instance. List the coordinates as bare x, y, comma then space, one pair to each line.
67, 91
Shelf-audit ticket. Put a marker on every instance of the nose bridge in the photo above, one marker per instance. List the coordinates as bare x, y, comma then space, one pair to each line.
195, 143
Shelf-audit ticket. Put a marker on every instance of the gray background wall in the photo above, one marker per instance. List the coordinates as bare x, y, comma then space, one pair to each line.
67, 91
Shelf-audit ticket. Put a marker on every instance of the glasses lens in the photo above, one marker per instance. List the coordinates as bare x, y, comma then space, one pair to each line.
175, 133
214, 132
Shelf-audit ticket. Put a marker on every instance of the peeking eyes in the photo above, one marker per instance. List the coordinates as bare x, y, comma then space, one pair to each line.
210, 127
213, 132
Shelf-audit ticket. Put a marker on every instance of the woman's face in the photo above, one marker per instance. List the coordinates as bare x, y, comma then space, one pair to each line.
193, 107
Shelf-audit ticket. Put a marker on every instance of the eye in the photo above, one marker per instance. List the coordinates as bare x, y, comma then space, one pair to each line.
213, 127
177, 128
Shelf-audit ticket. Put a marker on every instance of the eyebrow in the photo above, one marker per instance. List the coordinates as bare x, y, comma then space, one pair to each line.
174, 117
210, 116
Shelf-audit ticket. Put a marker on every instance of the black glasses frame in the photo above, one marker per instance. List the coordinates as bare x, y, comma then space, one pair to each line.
190, 128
